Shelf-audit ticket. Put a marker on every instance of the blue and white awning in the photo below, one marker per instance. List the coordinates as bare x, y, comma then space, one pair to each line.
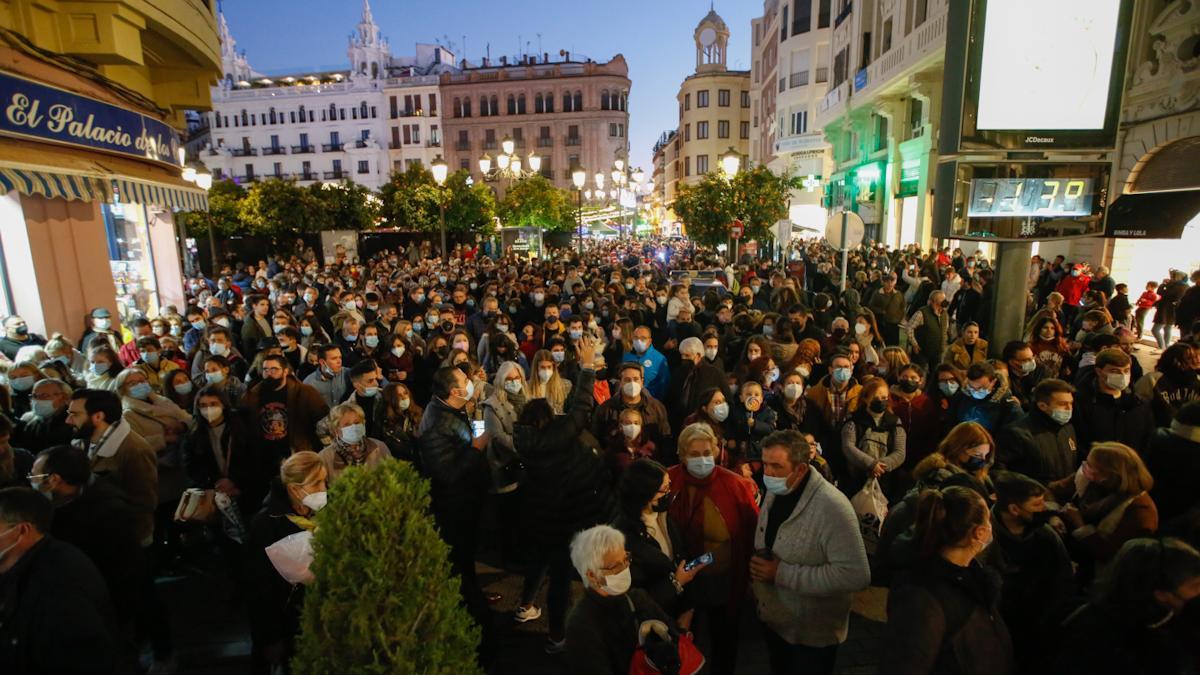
169, 196
49, 184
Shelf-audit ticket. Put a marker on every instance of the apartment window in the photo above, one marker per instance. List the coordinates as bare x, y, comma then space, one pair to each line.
881, 132
305, 169
802, 17
304, 141
416, 133
864, 59
435, 138
687, 132
687, 166
464, 164
335, 138
417, 103
604, 100
920, 12
412, 163
396, 137
549, 103
800, 63
916, 117
612, 129
567, 102
464, 140
783, 24
840, 66
687, 101
799, 122
621, 129
538, 106
823, 7
489, 139
723, 98
483, 106
512, 104
250, 171
274, 141
364, 166
745, 130
701, 164
701, 130
572, 160
520, 104
337, 166
578, 101
547, 168
278, 167
702, 98
466, 106
292, 116
573, 135
887, 37
745, 99
407, 135
822, 70
722, 128
433, 104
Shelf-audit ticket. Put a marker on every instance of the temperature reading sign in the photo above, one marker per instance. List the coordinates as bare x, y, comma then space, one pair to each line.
1043, 197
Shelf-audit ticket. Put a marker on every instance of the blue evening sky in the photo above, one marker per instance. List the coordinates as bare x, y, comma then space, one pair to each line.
654, 35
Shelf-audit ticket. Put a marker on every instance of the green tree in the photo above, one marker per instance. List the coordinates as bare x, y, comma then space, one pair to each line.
536, 202
383, 600
757, 196
346, 205
223, 214
469, 208
410, 200
275, 207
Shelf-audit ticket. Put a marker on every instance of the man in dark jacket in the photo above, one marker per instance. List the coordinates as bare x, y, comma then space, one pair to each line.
46, 425
1174, 460
1042, 443
928, 329
984, 400
17, 335
693, 377
1189, 307
459, 477
1106, 409
1033, 562
656, 426
1024, 373
95, 517
282, 412
55, 613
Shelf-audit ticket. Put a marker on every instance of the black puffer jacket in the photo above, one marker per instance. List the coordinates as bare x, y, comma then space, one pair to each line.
273, 603
650, 566
1101, 418
566, 484
1038, 447
457, 471
945, 619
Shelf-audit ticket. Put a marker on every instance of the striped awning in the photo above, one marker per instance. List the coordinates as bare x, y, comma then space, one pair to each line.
168, 196
50, 184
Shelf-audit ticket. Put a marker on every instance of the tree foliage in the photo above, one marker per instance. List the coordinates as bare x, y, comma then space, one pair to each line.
274, 207
757, 196
469, 208
346, 205
222, 215
383, 600
536, 202
410, 201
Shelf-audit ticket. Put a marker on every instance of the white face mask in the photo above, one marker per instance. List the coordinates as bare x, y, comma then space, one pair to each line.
860, 328
619, 583
218, 349
793, 391
514, 386
211, 413
720, 412
544, 374
631, 430
1118, 381
631, 389
353, 433
710, 353
398, 351
316, 501
640, 346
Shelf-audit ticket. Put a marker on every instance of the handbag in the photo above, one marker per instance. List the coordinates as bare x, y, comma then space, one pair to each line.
196, 505
660, 651
871, 507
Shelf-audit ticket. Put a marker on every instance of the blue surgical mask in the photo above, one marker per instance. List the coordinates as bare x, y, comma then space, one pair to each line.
140, 391
1061, 416
215, 378
43, 409
306, 330
372, 341
974, 463
198, 325
776, 485
701, 467
948, 388
978, 394
842, 375
150, 358
99, 368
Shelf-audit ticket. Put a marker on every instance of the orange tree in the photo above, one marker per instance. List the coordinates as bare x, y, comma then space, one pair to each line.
536, 202
757, 196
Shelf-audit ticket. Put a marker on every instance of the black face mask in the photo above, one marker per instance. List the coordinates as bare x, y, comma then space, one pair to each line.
664, 504
877, 406
447, 326
909, 386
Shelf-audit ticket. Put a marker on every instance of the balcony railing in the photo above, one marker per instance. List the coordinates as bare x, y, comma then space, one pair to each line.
245, 152
333, 147
361, 143
822, 74
545, 142
307, 175
462, 145
435, 143
336, 174
843, 14
251, 178
274, 151
303, 149
490, 145
395, 146
573, 140
798, 79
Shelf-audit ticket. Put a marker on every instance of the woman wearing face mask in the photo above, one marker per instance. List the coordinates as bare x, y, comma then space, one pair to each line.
873, 440
655, 545
1141, 622
890, 361
156, 418
500, 412
947, 606
216, 454
545, 382
100, 331
621, 343
179, 389
401, 417
790, 407
21, 379
350, 446
102, 369
919, 414
756, 347
866, 336
714, 412
1107, 503
395, 357
701, 488
274, 604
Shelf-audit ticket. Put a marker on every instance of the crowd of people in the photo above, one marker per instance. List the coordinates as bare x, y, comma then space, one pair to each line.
703, 444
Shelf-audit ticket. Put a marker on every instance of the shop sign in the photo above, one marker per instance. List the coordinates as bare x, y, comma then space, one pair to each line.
33, 110
860, 80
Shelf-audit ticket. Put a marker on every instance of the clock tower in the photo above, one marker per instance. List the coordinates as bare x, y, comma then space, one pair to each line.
712, 37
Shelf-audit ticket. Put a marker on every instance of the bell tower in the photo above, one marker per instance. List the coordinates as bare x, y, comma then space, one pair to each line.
369, 54
712, 38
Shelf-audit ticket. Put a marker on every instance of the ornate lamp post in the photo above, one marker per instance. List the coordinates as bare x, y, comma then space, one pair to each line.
440, 170
579, 179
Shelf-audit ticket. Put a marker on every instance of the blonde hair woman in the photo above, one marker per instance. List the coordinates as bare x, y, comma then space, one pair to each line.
156, 418
349, 445
545, 382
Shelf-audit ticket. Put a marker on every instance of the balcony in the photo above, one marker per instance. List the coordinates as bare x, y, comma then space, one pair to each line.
362, 143
545, 142
843, 14
333, 147
490, 145
798, 79
822, 74
303, 149
307, 175
906, 57
251, 178
274, 151
573, 140
244, 152
832, 104
435, 143
462, 145
338, 175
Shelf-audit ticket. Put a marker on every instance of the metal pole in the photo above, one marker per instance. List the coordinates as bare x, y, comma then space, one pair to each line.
442, 214
212, 247
579, 218
845, 248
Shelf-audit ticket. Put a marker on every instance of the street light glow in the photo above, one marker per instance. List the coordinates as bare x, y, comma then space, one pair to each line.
485, 164
507, 145
731, 161
440, 169
578, 177
535, 162
599, 180
503, 161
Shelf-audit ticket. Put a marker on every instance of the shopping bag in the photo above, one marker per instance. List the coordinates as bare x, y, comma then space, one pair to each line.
292, 556
871, 507
196, 505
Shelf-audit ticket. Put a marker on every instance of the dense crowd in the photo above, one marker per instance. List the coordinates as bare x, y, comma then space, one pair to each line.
694, 440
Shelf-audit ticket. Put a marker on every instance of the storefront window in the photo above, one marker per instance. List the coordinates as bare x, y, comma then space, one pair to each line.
131, 260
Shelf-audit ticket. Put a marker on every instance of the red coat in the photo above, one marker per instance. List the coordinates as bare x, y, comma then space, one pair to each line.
129, 353
1073, 288
735, 498
921, 419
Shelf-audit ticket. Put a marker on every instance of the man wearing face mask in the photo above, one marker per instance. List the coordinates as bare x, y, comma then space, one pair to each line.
57, 614
100, 327
1106, 407
1039, 582
46, 424
984, 399
17, 335
1042, 444
809, 560
1024, 372
283, 412
364, 378
459, 479
654, 364
693, 377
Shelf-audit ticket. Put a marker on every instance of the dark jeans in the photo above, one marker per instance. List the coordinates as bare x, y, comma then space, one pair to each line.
557, 563
459, 528
718, 631
789, 659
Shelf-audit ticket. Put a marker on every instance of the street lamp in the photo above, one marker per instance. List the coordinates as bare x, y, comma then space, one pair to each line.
731, 161
508, 164
507, 145
440, 169
579, 178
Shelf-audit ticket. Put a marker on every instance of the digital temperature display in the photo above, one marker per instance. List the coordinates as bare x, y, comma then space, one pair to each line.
1040, 197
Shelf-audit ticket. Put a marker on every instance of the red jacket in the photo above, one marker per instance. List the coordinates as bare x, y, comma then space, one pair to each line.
1072, 288
1147, 300
129, 353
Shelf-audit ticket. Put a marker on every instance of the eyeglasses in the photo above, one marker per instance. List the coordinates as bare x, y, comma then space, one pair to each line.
617, 568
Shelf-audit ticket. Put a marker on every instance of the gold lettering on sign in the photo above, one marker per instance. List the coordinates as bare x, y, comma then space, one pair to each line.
62, 118
23, 112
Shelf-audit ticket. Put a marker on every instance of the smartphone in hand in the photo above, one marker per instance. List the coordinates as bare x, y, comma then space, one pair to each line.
705, 559
476, 428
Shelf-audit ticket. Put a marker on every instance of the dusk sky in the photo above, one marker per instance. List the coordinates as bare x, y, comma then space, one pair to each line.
654, 35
